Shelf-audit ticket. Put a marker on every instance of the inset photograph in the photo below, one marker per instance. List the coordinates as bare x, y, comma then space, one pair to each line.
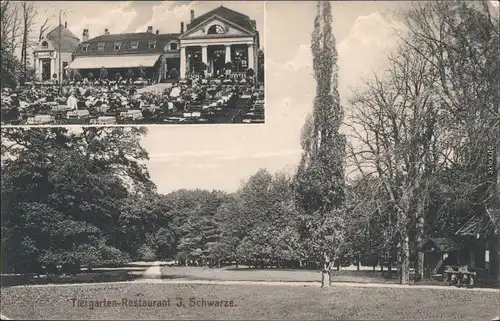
154, 62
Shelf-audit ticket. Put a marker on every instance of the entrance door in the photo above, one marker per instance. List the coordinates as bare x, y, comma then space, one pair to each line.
46, 69
219, 59
172, 63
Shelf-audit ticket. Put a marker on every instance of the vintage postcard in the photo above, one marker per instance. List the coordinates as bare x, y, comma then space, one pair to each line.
135, 187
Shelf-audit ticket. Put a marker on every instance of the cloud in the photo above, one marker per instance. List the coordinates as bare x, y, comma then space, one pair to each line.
365, 50
114, 16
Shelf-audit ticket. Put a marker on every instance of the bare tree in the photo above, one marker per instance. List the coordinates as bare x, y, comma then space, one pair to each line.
393, 123
43, 28
10, 25
29, 14
460, 40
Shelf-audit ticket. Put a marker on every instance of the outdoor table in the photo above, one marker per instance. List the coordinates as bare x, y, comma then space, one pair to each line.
461, 276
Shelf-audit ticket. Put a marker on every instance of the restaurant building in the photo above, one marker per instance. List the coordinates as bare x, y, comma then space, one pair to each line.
208, 43
54, 53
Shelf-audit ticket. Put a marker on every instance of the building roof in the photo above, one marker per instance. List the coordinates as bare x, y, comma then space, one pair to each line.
126, 39
441, 244
134, 37
228, 14
479, 224
69, 42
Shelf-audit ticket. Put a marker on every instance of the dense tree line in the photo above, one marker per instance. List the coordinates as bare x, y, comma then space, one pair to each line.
84, 197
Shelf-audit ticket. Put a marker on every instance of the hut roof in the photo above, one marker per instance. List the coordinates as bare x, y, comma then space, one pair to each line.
441, 244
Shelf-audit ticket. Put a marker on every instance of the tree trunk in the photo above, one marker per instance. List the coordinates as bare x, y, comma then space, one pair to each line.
389, 268
382, 267
326, 279
405, 261
326, 276
358, 263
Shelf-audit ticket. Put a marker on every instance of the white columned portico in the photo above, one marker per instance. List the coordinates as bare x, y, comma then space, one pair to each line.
204, 58
52, 67
182, 72
204, 54
228, 53
40, 68
250, 57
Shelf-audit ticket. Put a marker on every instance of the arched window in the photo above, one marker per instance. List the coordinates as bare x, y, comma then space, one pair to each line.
216, 29
45, 45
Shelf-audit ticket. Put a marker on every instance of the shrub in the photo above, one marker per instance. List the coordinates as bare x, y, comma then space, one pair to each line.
118, 77
90, 76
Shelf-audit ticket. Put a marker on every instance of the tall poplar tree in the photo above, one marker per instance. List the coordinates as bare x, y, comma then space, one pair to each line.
320, 181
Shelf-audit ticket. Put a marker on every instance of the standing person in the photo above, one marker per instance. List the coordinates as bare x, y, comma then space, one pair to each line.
72, 102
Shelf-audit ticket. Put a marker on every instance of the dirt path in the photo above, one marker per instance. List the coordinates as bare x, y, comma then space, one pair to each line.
153, 272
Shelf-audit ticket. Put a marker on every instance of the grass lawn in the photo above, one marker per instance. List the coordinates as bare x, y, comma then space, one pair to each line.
250, 302
281, 275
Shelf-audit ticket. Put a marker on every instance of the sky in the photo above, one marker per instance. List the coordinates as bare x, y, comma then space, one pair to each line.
222, 156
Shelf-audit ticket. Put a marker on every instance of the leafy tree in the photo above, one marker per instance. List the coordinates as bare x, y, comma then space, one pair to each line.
63, 192
320, 177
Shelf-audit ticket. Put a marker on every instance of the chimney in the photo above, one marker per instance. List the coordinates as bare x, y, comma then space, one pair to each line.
157, 31
182, 27
192, 15
85, 35
65, 24
150, 29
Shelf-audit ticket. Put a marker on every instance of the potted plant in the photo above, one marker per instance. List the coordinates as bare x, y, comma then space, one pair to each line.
142, 73
130, 74
77, 77
250, 72
103, 74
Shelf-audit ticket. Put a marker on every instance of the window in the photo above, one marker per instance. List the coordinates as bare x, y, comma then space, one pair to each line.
85, 47
216, 29
173, 46
117, 46
152, 44
134, 45
45, 45
100, 46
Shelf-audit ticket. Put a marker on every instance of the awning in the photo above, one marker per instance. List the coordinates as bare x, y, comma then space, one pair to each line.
125, 61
